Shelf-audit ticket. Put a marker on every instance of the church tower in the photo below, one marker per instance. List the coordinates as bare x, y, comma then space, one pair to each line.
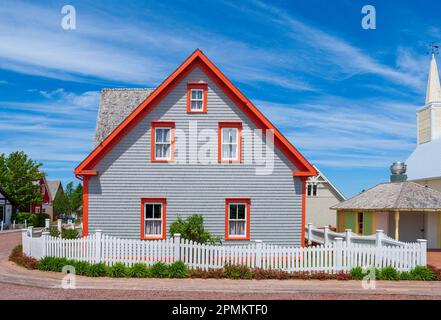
429, 117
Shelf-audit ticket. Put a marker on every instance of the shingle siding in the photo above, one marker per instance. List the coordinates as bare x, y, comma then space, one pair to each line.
126, 175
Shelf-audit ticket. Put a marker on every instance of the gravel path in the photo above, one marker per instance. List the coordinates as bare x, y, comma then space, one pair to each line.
19, 283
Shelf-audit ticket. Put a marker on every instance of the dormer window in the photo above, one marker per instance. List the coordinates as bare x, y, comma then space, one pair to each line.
163, 144
197, 98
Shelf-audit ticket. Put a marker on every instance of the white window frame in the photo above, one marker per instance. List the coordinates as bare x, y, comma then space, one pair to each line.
197, 100
163, 143
234, 236
147, 235
228, 143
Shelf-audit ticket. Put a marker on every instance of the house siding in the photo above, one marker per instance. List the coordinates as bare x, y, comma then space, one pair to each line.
126, 174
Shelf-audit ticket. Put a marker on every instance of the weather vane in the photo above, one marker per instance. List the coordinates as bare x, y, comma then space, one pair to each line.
434, 48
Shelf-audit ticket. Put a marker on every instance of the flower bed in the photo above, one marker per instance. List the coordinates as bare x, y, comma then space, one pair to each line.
180, 270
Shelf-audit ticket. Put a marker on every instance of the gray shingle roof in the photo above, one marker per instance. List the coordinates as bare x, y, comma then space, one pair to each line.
115, 106
390, 196
53, 186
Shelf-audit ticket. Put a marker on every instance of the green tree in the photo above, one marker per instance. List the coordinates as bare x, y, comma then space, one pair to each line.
76, 198
193, 229
70, 200
61, 204
18, 174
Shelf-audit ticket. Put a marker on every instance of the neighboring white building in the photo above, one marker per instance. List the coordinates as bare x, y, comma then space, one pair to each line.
5, 208
424, 164
321, 194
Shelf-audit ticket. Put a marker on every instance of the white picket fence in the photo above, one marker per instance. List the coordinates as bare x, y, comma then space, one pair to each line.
330, 258
324, 236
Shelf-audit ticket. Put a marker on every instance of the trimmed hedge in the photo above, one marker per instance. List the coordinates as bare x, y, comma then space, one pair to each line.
390, 273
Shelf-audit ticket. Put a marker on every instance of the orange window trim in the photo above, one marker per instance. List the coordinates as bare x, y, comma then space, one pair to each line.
164, 216
197, 85
85, 206
247, 201
238, 126
163, 124
303, 210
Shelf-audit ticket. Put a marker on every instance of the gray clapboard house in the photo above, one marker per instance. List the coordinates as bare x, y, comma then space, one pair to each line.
189, 146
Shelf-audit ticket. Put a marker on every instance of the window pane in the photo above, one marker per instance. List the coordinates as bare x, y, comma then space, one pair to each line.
159, 151
241, 211
225, 151
166, 151
233, 211
236, 228
196, 105
199, 94
167, 135
157, 211
229, 135
148, 211
158, 135
233, 151
153, 227
193, 94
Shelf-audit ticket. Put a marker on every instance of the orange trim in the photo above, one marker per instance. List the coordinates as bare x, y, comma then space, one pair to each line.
163, 124
238, 126
85, 206
301, 174
303, 210
247, 231
198, 59
197, 85
164, 218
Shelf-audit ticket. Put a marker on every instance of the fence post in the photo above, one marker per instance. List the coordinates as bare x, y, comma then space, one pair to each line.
309, 228
379, 238
26, 223
338, 254
13, 225
44, 236
31, 231
423, 245
59, 222
24, 241
348, 236
47, 223
98, 238
177, 244
1, 227
258, 263
325, 234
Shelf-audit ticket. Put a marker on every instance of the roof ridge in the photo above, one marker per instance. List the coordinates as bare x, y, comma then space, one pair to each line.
400, 193
126, 89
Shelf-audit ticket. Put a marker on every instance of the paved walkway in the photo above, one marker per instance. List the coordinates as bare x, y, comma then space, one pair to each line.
18, 282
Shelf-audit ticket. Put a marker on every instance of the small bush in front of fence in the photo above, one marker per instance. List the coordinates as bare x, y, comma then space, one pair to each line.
97, 270
237, 272
52, 264
357, 273
178, 269
262, 274
17, 256
207, 274
139, 270
118, 270
159, 270
82, 268
422, 273
388, 273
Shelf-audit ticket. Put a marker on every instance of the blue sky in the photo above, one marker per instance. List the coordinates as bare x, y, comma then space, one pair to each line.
345, 97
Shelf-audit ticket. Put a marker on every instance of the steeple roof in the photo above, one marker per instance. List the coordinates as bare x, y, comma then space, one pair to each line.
433, 86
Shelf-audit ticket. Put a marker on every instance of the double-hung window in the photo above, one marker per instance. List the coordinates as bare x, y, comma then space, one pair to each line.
230, 142
237, 220
197, 98
153, 212
162, 141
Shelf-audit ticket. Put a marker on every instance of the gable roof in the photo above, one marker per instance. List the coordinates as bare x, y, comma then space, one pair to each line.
196, 59
424, 162
115, 106
53, 186
325, 179
395, 196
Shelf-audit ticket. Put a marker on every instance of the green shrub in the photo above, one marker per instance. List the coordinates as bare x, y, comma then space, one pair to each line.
118, 270
52, 264
159, 270
357, 273
237, 272
17, 256
422, 273
193, 229
139, 270
178, 269
81, 267
406, 276
53, 231
69, 234
388, 273
22, 216
96, 270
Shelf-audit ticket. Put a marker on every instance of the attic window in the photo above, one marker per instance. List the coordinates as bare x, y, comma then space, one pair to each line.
197, 98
